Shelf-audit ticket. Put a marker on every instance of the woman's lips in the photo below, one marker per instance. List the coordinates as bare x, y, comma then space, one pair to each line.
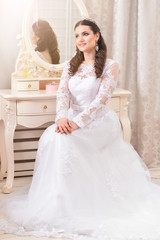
82, 44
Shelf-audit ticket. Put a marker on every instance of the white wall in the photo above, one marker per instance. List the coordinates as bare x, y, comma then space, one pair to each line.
11, 15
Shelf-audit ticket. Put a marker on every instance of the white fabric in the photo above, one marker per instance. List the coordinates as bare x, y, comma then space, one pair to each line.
99, 90
91, 184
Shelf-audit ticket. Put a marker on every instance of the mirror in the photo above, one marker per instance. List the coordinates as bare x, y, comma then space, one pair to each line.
61, 16
44, 41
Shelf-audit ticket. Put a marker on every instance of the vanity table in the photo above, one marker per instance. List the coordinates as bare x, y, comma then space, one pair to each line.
33, 109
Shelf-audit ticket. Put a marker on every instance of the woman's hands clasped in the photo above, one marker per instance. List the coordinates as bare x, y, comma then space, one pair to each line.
64, 125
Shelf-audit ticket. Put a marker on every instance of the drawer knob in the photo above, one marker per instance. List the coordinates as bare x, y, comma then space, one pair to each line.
45, 107
29, 85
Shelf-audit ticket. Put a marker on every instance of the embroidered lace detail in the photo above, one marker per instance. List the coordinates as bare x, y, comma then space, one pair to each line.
112, 185
108, 84
67, 158
104, 231
63, 95
100, 118
85, 71
67, 164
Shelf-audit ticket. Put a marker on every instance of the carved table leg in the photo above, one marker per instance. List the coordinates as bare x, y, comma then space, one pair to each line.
3, 152
10, 125
125, 122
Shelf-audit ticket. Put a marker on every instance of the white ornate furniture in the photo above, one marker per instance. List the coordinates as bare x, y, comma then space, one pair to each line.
32, 109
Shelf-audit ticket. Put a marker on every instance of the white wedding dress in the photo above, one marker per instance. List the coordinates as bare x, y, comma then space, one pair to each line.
90, 184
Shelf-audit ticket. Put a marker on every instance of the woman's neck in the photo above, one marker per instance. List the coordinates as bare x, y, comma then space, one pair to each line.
89, 58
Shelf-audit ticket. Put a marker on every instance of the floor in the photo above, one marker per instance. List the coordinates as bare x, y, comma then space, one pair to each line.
18, 183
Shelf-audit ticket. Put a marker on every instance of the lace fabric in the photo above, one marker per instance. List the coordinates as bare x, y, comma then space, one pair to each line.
107, 86
108, 82
63, 95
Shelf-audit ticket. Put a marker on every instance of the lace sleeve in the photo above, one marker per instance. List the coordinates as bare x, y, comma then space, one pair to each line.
63, 95
108, 84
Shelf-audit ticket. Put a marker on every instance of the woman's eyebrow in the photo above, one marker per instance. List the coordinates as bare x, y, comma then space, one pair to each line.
81, 32
85, 32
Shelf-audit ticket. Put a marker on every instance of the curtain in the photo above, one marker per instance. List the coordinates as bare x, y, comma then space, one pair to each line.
131, 29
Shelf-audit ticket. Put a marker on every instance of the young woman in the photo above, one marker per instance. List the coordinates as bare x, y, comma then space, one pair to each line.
88, 182
45, 40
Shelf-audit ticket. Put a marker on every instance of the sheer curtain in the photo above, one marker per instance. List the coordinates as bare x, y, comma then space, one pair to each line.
131, 29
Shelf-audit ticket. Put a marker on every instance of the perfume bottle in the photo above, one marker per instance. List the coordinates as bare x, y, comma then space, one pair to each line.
25, 73
25, 70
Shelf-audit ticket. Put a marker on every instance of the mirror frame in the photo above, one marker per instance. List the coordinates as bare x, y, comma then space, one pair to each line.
26, 34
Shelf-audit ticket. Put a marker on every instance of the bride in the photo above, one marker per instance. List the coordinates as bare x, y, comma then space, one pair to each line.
88, 183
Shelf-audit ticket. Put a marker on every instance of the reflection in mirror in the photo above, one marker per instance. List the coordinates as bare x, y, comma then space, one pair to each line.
45, 41
61, 15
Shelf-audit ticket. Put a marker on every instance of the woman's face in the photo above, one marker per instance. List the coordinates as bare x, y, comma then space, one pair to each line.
85, 38
34, 37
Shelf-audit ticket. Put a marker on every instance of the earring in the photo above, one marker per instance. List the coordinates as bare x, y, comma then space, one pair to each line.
97, 46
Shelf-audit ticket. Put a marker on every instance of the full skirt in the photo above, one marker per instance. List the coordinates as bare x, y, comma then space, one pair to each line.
90, 184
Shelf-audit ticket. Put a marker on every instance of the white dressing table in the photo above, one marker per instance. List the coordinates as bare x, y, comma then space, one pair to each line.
34, 108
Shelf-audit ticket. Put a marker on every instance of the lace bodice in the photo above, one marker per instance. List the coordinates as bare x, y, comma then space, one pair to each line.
85, 92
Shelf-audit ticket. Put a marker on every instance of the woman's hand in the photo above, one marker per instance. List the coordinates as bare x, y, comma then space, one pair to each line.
66, 126
63, 126
73, 125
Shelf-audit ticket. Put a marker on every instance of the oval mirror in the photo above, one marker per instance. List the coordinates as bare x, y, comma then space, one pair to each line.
60, 16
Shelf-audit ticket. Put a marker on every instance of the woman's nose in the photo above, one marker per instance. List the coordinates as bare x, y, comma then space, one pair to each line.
81, 39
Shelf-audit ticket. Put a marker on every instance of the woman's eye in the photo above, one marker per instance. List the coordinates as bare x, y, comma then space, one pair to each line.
84, 34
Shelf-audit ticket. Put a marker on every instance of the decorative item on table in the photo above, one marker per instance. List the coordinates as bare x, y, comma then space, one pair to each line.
59, 73
25, 73
52, 87
25, 69
55, 73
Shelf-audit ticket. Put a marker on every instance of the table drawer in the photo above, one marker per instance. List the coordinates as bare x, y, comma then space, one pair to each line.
27, 85
38, 107
114, 104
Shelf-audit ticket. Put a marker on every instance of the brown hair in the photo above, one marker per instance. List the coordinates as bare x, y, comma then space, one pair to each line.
47, 39
100, 56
